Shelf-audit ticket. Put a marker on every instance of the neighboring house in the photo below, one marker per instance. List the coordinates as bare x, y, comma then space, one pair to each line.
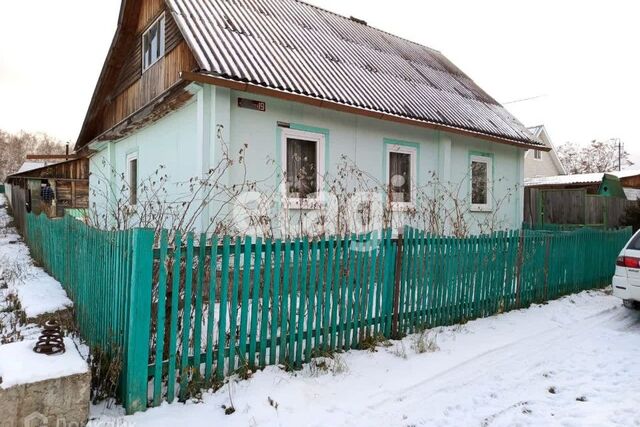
538, 163
303, 87
69, 181
624, 184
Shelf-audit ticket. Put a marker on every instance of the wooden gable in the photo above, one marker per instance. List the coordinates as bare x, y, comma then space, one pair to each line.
123, 89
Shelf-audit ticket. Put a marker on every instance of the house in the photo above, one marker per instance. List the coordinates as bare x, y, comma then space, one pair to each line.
69, 181
624, 184
594, 199
538, 163
301, 88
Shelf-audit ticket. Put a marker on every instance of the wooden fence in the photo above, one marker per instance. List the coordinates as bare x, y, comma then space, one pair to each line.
186, 312
572, 207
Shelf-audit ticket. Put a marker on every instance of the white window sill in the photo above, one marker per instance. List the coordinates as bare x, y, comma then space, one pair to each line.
481, 208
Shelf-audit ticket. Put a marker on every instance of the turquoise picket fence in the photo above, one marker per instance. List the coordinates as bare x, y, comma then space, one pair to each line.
186, 311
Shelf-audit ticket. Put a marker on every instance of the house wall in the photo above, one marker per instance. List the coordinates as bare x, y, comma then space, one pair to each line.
166, 147
188, 142
545, 166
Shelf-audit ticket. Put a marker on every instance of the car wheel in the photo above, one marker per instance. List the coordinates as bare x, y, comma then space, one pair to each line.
629, 303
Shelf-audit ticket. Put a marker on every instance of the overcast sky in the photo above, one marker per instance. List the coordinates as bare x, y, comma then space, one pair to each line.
580, 58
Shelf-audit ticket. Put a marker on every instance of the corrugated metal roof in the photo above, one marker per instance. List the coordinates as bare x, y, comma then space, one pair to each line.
296, 47
584, 178
632, 193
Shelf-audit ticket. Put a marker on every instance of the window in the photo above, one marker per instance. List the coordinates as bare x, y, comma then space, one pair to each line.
153, 44
304, 164
537, 154
132, 178
481, 170
401, 174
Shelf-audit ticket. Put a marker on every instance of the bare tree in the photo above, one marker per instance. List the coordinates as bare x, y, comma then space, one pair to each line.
15, 147
598, 156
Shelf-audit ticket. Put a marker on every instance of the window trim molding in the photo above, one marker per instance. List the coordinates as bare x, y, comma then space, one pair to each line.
398, 146
320, 136
133, 155
539, 152
161, 17
488, 159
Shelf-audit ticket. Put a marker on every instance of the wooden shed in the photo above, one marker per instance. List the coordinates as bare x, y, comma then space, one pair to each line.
68, 179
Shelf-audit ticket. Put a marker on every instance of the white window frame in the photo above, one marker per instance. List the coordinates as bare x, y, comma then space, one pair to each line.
319, 139
481, 207
162, 22
131, 157
413, 152
537, 154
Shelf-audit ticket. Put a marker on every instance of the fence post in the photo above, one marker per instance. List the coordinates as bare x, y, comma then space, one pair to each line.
396, 286
519, 266
139, 320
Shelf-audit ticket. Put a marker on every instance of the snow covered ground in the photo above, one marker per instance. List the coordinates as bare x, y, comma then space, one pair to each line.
572, 362
27, 291
24, 287
37, 292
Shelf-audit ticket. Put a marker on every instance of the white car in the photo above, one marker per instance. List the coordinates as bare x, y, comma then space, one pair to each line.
626, 281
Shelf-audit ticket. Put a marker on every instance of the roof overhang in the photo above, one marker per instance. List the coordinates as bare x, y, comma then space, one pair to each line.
337, 106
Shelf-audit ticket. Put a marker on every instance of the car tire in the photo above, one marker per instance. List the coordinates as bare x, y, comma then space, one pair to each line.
629, 303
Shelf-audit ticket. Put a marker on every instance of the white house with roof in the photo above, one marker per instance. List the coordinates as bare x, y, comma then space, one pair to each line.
303, 89
539, 163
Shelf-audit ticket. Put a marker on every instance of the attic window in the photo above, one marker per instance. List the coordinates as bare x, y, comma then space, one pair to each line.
153, 43
537, 154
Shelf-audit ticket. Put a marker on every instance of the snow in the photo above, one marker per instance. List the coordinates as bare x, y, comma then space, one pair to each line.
40, 294
19, 364
37, 292
29, 166
571, 362
632, 193
585, 178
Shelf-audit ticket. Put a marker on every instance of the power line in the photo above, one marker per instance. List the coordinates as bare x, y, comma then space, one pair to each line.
523, 99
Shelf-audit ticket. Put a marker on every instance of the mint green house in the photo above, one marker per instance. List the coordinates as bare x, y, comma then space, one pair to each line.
297, 93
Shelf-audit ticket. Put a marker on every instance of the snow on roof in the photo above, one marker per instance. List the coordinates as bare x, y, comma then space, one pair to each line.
296, 47
27, 166
632, 193
584, 178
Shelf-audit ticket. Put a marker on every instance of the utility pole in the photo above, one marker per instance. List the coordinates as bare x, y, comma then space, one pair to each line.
619, 155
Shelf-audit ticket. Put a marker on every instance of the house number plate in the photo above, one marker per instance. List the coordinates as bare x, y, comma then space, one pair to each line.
252, 104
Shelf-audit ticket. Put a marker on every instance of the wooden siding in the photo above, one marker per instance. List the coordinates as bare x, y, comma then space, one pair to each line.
123, 88
153, 82
572, 207
76, 169
149, 11
132, 66
631, 181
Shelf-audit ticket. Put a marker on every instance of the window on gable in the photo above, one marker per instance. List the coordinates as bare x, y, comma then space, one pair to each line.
537, 154
153, 44
132, 178
303, 162
401, 174
481, 170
